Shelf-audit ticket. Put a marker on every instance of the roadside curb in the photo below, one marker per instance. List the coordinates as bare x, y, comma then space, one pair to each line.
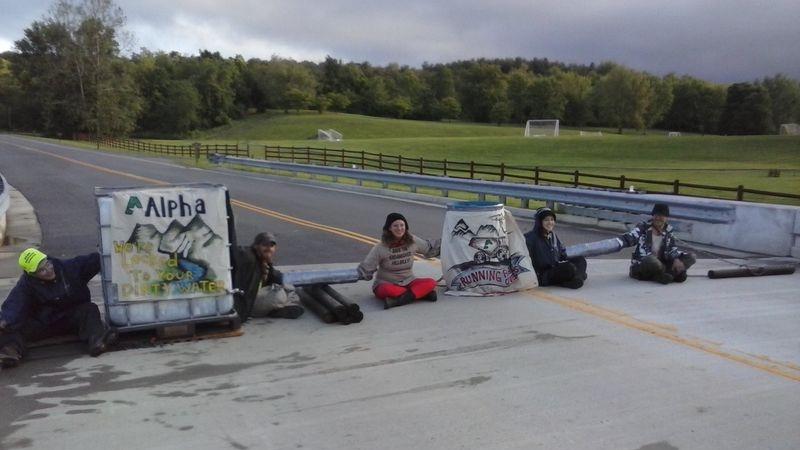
22, 231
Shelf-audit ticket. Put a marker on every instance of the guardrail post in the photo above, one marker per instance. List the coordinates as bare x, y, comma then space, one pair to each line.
575, 181
622, 182
482, 197
525, 203
676, 187
740, 193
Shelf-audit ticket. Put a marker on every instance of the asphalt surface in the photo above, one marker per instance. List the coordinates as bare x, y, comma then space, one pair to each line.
618, 364
59, 182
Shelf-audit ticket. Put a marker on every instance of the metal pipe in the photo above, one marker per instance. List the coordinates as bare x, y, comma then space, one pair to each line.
757, 271
353, 309
339, 310
603, 247
322, 276
315, 307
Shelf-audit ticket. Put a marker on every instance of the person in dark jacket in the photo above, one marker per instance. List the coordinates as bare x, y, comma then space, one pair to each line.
656, 256
52, 298
549, 255
259, 284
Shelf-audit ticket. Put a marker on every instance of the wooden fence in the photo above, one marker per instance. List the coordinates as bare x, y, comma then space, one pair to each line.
448, 168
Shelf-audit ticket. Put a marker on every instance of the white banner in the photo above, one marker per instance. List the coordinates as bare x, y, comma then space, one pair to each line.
169, 243
484, 253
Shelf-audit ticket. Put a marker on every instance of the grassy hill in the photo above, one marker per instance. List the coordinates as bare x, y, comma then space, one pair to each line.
711, 160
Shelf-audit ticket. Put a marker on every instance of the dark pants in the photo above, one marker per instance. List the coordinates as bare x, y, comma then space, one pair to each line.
651, 268
83, 319
565, 272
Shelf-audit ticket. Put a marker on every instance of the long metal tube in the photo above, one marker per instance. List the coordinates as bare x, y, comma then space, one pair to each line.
353, 309
338, 309
757, 271
322, 276
312, 304
603, 247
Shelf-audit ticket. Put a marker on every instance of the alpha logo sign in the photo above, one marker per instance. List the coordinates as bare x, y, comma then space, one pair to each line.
483, 253
169, 243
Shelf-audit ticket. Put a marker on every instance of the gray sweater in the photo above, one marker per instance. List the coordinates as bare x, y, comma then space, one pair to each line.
394, 264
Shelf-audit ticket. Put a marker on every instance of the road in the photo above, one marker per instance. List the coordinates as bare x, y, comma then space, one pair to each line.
59, 181
617, 365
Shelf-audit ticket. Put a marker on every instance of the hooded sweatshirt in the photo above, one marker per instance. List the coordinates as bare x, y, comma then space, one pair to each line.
545, 252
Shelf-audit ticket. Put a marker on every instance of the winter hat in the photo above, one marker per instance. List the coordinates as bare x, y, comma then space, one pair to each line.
661, 209
30, 258
541, 213
264, 238
391, 218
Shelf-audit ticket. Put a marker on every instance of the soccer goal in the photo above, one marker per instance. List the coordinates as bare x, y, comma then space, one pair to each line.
328, 135
541, 128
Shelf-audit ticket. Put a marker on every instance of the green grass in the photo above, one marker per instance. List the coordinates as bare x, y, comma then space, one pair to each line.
708, 160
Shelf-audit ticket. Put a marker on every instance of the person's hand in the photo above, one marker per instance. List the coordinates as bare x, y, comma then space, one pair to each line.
3, 326
678, 266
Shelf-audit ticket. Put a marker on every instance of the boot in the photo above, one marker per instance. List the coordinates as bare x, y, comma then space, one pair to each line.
404, 299
431, 296
575, 283
664, 278
287, 312
9, 357
100, 344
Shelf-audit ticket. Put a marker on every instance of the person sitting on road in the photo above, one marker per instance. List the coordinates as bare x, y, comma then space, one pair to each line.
52, 298
549, 255
393, 258
656, 256
259, 285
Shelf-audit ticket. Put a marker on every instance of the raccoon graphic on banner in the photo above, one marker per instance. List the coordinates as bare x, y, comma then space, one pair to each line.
483, 251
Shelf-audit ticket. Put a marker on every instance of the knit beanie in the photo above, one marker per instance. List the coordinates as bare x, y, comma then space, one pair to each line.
391, 218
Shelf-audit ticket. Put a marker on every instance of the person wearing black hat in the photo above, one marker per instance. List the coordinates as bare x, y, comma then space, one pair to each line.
392, 258
549, 255
656, 256
259, 285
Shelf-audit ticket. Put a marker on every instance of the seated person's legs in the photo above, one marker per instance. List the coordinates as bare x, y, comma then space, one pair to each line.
651, 268
424, 289
580, 267
688, 260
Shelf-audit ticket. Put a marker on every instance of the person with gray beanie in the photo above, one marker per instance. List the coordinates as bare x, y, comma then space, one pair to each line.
261, 292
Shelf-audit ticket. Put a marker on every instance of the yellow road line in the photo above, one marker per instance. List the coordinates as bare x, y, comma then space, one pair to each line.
239, 203
785, 370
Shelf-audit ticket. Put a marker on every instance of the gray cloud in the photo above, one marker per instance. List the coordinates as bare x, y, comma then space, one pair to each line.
719, 40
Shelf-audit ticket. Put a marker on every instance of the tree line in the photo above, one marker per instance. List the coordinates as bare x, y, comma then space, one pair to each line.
67, 75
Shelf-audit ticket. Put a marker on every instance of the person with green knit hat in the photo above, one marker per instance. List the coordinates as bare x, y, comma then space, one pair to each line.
51, 298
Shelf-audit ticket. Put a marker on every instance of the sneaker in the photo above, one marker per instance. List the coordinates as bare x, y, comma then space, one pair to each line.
664, 278
431, 297
101, 343
9, 357
680, 278
287, 312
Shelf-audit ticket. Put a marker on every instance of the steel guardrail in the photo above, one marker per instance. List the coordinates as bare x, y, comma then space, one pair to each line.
701, 210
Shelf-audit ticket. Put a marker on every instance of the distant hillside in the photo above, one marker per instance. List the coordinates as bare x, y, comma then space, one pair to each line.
304, 125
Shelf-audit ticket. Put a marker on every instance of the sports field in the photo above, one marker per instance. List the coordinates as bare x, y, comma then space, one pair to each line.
710, 160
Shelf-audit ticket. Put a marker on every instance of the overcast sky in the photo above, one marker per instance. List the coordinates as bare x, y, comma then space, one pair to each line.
717, 40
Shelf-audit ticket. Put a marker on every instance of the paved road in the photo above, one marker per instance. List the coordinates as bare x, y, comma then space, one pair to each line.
617, 365
59, 182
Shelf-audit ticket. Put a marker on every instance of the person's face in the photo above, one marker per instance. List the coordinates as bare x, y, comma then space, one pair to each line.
659, 221
549, 223
267, 251
45, 271
398, 228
